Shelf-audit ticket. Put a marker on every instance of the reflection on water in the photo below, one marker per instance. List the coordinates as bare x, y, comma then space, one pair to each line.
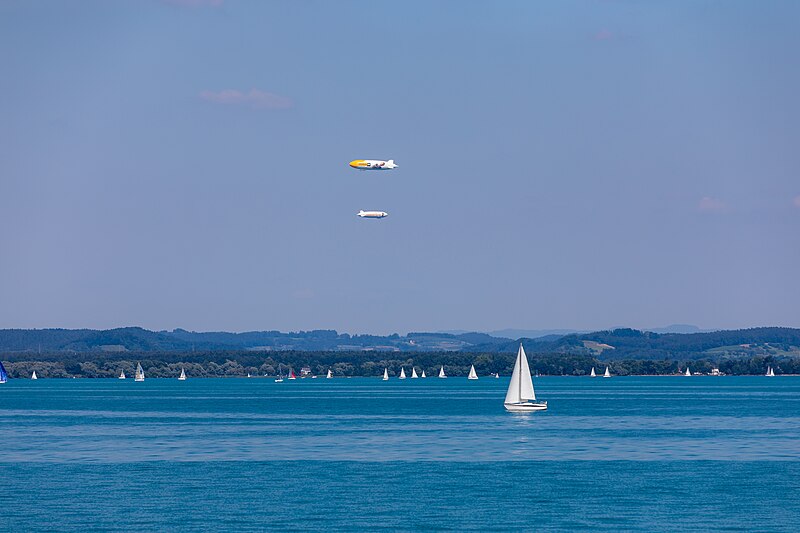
639, 419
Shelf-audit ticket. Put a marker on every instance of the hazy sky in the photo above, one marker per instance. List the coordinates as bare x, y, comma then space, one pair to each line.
561, 164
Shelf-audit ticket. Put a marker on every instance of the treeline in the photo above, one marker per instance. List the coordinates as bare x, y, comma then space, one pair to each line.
239, 364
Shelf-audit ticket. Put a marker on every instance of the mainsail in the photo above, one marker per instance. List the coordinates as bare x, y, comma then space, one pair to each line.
687, 374
472, 373
593, 374
521, 387
414, 373
182, 377
423, 374
385, 374
330, 374
441, 373
139, 376
34, 376
402, 373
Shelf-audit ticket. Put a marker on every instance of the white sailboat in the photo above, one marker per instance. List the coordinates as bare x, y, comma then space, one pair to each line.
442, 374
121, 374
402, 373
593, 375
248, 374
330, 374
423, 374
472, 373
385, 374
497, 375
414, 373
34, 376
607, 373
520, 397
687, 373
770, 372
182, 377
139, 376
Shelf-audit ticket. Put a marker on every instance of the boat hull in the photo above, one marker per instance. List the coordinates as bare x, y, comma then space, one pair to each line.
526, 407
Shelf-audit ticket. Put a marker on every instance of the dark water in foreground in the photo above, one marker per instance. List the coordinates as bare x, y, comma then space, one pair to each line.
670, 454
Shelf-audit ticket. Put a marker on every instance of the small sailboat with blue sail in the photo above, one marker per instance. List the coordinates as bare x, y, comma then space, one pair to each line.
3, 374
139, 375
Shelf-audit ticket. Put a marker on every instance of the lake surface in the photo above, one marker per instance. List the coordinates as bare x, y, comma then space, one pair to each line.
635, 453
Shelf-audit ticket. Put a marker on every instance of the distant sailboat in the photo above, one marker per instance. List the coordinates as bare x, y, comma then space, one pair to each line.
414, 373
442, 374
330, 374
34, 376
385, 374
291, 374
687, 373
520, 397
3, 375
248, 374
182, 377
472, 373
139, 376
423, 374
121, 374
280, 375
497, 375
770, 372
593, 375
402, 373
607, 373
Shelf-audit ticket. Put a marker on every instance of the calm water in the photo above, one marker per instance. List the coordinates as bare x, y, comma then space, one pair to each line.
668, 453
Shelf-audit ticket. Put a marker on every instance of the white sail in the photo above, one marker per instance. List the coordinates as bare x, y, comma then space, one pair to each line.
248, 374
122, 374
520, 389
441, 373
414, 372
607, 373
687, 372
385, 374
423, 374
34, 376
139, 376
472, 373
330, 374
593, 374
402, 373
182, 377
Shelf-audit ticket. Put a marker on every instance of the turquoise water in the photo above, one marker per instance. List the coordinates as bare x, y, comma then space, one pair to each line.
637, 453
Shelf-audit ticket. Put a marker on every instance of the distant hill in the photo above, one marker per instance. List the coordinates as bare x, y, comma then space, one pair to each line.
617, 344
627, 343
136, 339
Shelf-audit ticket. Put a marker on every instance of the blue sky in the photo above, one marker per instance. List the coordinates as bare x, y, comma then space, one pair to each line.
562, 164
